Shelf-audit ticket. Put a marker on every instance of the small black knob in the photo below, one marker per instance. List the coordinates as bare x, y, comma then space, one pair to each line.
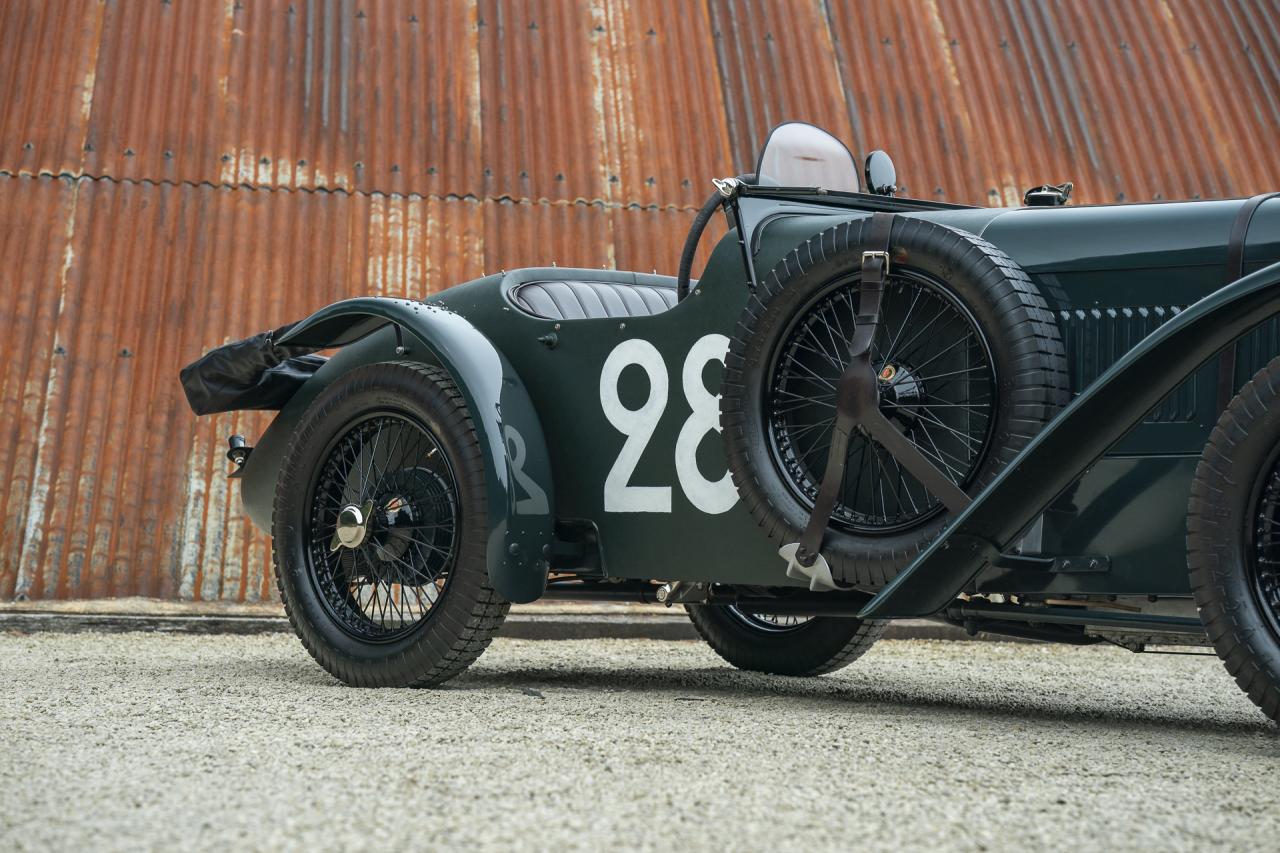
238, 451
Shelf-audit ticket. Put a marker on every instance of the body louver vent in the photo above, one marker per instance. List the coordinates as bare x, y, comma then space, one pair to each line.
1095, 338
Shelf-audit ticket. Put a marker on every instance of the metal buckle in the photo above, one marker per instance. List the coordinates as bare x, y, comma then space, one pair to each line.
884, 256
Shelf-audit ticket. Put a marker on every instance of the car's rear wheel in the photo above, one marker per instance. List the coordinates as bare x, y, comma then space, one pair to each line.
782, 645
379, 530
1233, 538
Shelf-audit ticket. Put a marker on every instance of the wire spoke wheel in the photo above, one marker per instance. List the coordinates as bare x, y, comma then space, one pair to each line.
1265, 553
383, 526
378, 529
774, 623
970, 365
782, 644
937, 384
1233, 538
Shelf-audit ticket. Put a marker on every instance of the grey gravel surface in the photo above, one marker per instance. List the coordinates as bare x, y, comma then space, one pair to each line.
140, 741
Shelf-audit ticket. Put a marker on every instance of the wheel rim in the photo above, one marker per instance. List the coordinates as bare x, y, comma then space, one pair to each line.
382, 526
937, 384
1264, 565
772, 623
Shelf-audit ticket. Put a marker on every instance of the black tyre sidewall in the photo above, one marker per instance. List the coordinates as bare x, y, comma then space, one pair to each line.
1241, 451
404, 389
820, 645
1020, 332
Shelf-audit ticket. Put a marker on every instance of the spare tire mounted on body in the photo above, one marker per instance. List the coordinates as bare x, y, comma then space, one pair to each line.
969, 366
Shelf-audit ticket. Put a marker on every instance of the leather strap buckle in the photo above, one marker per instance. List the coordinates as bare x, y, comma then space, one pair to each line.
882, 256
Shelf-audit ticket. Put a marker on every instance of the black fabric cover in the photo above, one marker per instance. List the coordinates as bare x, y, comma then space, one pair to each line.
252, 373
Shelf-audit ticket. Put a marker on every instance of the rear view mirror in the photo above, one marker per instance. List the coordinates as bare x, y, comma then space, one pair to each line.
882, 178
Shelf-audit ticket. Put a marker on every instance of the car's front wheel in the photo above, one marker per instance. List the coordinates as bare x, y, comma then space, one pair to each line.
379, 530
783, 645
1233, 538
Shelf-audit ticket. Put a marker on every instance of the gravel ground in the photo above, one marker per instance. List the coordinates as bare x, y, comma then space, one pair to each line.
132, 741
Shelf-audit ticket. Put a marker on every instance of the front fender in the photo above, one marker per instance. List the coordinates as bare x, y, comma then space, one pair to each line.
517, 466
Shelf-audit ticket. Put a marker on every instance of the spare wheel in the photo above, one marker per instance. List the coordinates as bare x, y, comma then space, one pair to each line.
969, 364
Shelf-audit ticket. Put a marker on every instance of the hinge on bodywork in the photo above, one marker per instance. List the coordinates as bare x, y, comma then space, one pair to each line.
1060, 564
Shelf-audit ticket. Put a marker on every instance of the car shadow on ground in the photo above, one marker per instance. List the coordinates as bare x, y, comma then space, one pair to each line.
941, 695
904, 695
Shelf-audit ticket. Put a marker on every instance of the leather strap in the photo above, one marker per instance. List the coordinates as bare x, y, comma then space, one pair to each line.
875, 268
858, 406
1235, 269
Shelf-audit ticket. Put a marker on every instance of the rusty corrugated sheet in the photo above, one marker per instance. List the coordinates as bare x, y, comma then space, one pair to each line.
637, 102
527, 100
177, 174
115, 488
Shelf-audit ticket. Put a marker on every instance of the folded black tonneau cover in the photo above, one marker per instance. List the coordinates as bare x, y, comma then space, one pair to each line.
252, 373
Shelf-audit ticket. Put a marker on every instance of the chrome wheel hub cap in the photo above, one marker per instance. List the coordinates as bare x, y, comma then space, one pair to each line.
353, 526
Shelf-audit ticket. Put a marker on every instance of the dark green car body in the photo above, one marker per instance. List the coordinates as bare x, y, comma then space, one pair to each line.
1112, 276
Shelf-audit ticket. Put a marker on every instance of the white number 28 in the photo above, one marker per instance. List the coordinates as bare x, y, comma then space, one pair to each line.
639, 424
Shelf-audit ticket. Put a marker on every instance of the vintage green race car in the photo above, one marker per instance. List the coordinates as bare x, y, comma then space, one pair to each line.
1037, 422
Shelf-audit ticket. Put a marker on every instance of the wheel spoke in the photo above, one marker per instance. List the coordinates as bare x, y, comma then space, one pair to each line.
377, 588
939, 388
1265, 568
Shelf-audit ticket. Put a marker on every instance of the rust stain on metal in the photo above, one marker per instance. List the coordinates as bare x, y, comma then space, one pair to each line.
173, 176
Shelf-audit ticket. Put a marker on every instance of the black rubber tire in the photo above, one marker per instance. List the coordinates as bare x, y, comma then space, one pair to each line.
821, 645
1241, 451
469, 612
1021, 332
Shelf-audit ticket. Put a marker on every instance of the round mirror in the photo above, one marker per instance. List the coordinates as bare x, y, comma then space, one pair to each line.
882, 178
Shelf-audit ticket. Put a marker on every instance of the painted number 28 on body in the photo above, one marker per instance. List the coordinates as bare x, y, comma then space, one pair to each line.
638, 425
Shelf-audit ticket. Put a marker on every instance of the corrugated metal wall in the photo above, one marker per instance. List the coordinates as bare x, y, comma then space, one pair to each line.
178, 173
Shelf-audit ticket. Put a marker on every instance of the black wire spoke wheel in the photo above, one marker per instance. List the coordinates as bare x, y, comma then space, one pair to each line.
937, 384
379, 529
782, 644
970, 365
383, 526
1233, 539
776, 623
1264, 567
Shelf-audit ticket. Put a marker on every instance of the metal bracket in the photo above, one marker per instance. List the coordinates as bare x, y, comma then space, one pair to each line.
727, 187
401, 349
1086, 563
238, 453
817, 572
1060, 564
682, 592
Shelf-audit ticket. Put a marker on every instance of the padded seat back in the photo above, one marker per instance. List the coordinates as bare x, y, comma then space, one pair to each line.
592, 300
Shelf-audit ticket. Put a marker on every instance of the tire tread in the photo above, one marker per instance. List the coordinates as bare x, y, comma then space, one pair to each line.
1237, 448
439, 654
1039, 369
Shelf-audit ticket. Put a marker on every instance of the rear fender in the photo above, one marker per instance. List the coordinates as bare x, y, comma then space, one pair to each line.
517, 466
